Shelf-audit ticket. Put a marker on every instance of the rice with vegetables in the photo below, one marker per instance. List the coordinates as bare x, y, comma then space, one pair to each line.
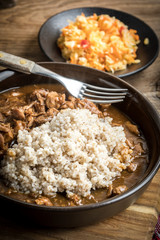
101, 42
76, 152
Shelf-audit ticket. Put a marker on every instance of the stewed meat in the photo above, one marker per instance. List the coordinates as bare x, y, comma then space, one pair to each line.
18, 113
133, 128
119, 190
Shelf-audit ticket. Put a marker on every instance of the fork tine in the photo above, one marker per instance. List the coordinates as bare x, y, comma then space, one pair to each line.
105, 101
105, 89
102, 97
105, 93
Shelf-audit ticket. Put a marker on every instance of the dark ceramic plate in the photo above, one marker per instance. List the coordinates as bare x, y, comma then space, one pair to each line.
51, 29
136, 106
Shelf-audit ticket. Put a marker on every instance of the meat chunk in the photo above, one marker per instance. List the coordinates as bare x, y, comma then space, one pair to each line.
30, 121
119, 190
18, 113
44, 201
30, 111
72, 99
62, 98
19, 125
52, 112
138, 148
52, 99
76, 199
39, 107
4, 127
8, 136
2, 118
109, 191
132, 128
40, 120
39, 95
84, 103
132, 167
1, 141
68, 104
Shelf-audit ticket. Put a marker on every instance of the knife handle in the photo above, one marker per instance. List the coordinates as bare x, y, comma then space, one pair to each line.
16, 63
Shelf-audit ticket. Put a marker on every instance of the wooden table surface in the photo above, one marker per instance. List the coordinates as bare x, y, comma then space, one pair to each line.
19, 27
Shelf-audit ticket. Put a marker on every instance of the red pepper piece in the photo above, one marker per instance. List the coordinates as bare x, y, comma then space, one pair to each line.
121, 29
85, 43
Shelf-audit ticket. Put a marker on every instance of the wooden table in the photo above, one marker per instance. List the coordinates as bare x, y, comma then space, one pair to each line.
19, 28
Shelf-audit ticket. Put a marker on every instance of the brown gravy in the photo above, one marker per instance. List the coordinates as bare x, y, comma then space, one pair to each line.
128, 178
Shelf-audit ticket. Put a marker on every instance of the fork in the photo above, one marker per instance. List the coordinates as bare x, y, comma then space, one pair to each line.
75, 88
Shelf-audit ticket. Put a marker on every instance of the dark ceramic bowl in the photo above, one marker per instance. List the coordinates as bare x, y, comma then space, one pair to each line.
136, 106
51, 29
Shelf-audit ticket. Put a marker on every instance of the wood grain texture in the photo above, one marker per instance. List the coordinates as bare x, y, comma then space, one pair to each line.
19, 27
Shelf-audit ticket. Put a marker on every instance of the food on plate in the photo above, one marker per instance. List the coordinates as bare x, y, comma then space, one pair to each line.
101, 42
61, 151
146, 41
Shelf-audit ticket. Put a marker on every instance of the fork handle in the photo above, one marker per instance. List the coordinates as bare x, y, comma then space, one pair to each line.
26, 66
16, 63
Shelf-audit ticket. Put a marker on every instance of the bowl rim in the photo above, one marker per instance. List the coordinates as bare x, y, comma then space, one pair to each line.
135, 188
